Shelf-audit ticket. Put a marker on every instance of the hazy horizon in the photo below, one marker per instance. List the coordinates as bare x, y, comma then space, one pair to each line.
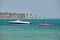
45, 8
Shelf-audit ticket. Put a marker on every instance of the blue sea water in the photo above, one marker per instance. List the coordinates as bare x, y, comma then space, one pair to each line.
30, 32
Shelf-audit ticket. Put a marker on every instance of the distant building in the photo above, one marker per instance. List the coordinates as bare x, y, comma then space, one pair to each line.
18, 15
12, 15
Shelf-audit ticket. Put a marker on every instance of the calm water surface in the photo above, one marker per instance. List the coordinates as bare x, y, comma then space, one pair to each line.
30, 32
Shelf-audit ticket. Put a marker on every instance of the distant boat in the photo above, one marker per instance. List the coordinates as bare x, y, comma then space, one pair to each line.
40, 24
19, 22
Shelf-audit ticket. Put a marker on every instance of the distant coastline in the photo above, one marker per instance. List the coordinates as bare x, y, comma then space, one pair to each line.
25, 18
15, 18
8, 15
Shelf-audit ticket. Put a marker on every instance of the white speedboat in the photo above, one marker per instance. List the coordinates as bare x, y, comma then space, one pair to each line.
19, 22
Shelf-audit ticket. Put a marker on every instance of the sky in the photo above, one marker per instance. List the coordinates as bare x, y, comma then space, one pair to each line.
44, 8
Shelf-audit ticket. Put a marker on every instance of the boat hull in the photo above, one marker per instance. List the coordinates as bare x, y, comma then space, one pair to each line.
44, 24
20, 23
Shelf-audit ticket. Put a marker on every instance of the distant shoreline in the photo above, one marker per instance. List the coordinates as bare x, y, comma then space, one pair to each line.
18, 18
21, 18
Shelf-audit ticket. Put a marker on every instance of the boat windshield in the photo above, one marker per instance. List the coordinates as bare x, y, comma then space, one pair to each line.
17, 20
